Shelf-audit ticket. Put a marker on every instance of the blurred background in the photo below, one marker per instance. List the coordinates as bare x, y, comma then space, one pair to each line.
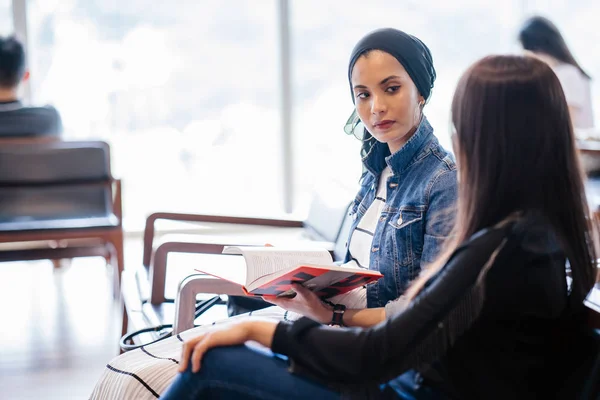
188, 93
231, 107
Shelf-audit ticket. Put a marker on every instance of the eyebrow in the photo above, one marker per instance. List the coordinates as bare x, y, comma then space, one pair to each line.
383, 82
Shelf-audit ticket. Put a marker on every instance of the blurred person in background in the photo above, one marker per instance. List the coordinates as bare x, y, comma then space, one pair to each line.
16, 119
541, 38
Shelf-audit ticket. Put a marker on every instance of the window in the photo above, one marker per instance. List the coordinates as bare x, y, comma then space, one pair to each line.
186, 93
6, 20
324, 33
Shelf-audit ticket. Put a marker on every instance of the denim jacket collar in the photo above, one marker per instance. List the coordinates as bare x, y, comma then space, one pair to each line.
380, 155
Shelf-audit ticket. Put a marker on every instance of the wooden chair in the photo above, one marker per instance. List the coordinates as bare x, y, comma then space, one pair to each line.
58, 200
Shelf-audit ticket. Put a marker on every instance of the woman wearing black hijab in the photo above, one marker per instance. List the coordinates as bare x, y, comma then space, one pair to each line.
401, 215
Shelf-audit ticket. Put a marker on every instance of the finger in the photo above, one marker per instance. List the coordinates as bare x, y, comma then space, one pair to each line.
301, 290
186, 351
199, 351
278, 301
270, 299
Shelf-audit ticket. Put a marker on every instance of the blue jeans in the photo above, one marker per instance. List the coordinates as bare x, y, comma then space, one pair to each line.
242, 372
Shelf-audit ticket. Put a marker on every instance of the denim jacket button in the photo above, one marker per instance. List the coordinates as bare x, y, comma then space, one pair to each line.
381, 219
400, 220
374, 249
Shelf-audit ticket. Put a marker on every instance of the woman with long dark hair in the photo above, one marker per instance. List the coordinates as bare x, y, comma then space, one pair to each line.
542, 39
494, 317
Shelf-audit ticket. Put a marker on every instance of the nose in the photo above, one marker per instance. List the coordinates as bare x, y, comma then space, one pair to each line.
378, 105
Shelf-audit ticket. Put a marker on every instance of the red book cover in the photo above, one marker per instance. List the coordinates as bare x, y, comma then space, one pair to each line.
272, 271
325, 282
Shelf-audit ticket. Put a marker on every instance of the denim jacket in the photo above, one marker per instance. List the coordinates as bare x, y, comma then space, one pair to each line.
417, 214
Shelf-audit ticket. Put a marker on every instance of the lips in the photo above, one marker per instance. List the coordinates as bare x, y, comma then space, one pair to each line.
384, 125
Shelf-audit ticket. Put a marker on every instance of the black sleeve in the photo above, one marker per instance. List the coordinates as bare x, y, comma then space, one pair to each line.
415, 337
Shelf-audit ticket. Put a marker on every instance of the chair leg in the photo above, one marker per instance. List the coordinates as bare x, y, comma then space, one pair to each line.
125, 322
118, 262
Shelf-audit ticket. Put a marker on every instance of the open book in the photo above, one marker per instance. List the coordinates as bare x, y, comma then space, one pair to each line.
272, 270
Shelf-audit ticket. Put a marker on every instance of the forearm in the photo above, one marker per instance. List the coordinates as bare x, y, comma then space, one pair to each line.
261, 332
364, 318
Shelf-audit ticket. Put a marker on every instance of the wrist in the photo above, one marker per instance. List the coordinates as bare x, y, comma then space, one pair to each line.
337, 319
326, 314
260, 331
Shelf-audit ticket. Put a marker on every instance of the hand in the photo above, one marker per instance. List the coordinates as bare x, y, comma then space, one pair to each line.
232, 334
305, 302
229, 335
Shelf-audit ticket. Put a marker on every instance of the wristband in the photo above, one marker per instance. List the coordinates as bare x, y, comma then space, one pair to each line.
337, 319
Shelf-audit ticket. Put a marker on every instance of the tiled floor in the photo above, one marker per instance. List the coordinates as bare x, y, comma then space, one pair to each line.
58, 328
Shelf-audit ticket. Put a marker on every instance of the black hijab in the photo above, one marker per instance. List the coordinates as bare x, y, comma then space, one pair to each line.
410, 51
414, 56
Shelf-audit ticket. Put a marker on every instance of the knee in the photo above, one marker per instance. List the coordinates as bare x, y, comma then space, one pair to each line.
215, 360
193, 385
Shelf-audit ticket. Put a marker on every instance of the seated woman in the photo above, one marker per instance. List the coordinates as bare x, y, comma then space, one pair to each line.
401, 213
493, 317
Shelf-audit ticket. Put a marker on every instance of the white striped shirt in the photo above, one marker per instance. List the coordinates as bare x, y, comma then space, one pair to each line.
361, 242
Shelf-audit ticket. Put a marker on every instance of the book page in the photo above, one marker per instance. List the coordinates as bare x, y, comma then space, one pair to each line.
228, 267
262, 261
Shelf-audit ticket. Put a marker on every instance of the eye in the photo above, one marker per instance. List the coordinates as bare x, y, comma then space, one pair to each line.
392, 89
362, 95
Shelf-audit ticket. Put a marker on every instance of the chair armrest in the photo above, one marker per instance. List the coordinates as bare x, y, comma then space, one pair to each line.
189, 288
30, 140
158, 269
151, 220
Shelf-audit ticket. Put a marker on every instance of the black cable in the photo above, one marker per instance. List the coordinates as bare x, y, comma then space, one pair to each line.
126, 341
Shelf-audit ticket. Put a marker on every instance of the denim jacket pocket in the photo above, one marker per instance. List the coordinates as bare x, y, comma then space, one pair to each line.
407, 228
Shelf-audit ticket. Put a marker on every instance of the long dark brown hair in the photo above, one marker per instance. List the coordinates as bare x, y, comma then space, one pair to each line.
516, 153
540, 35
